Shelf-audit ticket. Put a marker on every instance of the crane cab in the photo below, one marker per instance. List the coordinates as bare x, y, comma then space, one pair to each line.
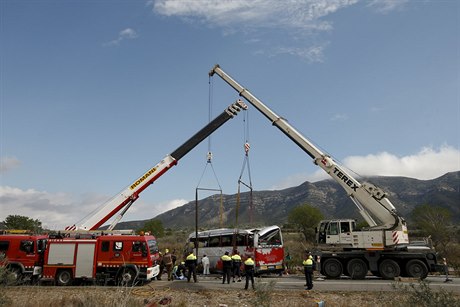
339, 231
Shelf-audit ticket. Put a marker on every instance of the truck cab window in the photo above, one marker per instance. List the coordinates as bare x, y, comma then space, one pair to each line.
27, 246
4, 246
344, 227
333, 228
105, 246
137, 246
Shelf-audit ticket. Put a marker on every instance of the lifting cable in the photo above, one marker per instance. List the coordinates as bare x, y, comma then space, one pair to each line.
241, 182
209, 157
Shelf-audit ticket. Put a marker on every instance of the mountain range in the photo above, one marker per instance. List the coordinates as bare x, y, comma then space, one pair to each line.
272, 207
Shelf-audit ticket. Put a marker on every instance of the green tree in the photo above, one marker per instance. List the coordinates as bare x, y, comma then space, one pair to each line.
435, 222
305, 218
23, 223
155, 227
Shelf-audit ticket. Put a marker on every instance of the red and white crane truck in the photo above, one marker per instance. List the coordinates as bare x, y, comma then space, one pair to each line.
383, 248
75, 254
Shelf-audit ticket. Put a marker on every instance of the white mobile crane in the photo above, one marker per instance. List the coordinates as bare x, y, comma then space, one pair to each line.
123, 200
384, 247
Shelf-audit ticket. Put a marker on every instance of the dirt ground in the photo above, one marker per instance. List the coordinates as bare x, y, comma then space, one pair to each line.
151, 296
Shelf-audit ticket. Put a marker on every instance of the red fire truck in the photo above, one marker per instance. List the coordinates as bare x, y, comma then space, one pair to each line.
119, 259
22, 255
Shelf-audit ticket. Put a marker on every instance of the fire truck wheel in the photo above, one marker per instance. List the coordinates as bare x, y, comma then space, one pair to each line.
15, 274
63, 278
127, 277
389, 269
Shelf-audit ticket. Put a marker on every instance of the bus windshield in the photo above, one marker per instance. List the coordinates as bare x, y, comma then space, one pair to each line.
271, 237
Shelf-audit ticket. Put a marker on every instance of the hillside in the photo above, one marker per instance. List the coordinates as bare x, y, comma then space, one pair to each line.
272, 207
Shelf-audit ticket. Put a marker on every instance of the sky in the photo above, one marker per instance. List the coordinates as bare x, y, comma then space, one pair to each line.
95, 93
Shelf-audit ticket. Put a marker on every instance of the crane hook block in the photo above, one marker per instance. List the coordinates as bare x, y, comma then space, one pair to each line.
209, 156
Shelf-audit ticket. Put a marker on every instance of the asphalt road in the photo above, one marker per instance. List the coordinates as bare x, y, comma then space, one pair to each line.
296, 282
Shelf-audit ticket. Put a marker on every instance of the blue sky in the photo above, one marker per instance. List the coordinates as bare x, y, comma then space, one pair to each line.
95, 93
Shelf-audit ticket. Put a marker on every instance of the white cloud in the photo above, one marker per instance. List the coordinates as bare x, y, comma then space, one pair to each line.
294, 20
58, 210
339, 117
311, 54
8, 163
427, 164
386, 6
299, 14
125, 34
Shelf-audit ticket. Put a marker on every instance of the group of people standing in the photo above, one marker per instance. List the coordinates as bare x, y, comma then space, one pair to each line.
231, 267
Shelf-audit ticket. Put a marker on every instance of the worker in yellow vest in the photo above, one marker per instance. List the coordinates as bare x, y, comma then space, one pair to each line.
236, 262
249, 271
308, 270
190, 262
226, 267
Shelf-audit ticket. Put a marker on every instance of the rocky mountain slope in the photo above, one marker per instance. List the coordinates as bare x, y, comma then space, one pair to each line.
272, 207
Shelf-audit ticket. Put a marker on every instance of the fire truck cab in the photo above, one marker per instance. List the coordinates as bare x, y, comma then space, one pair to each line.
22, 255
120, 259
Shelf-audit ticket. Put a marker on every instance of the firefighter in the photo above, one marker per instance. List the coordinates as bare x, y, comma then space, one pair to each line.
190, 262
168, 263
162, 267
308, 265
249, 271
236, 262
226, 267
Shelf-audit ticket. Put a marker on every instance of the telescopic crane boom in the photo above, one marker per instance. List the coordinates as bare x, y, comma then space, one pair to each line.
371, 201
122, 201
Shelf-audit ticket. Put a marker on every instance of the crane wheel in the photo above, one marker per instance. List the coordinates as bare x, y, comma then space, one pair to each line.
332, 268
416, 268
357, 268
389, 269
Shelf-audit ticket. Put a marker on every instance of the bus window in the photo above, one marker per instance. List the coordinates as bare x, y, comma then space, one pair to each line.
241, 240
214, 242
226, 240
250, 242
203, 242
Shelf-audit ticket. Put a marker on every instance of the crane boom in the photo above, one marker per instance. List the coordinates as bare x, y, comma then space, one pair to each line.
123, 200
370, 200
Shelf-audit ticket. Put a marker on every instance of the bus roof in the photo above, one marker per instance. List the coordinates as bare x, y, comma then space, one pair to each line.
231, 231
